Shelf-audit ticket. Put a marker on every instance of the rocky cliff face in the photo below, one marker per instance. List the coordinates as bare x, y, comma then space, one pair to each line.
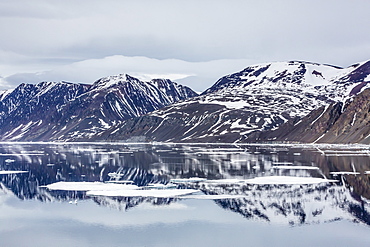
347, 122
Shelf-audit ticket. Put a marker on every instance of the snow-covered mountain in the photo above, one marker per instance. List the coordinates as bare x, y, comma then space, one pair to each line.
68, 111
258, 98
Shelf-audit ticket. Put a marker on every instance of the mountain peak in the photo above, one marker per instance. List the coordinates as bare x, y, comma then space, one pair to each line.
106, 82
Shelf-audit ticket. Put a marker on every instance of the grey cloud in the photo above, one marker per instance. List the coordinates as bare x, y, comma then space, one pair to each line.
195, 31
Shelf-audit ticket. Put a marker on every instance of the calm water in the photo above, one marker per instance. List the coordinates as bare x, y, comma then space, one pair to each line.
326, 214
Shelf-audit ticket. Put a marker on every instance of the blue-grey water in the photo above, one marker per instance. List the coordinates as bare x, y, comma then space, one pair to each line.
325, 214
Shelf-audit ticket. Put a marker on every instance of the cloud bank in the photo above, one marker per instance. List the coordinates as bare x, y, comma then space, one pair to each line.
51, 40
197, 75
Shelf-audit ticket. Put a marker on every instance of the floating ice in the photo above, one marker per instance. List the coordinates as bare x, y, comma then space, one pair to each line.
287, 180
142, 193
225, 181
122, 190
212, 197
159, 186
282, 163
344, 173
296, 167
187, 180
11, 172
87, 186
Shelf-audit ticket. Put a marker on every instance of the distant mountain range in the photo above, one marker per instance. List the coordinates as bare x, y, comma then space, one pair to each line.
283, 101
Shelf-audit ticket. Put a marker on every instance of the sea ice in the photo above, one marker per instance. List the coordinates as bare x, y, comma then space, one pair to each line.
296, 167
212, 197
187, 180
11, 172
87, 186
143, 193
344, 173
287, 180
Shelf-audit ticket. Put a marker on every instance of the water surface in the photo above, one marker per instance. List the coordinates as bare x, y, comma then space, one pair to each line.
325, 214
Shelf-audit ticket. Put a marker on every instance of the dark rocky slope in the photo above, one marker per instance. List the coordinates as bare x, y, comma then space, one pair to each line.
347, 122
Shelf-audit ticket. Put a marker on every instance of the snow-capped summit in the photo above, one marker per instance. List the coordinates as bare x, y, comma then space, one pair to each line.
114, 80
294, 74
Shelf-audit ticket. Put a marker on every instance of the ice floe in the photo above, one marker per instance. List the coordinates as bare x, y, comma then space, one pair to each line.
296, 167
142, 193
11, 172
213, 197
159, 186
187, 180
282, 163
225, 181
87, 186
344, 173
281, 180
120, 190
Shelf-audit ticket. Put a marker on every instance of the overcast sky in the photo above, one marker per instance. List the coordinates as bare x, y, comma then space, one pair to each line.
192, 42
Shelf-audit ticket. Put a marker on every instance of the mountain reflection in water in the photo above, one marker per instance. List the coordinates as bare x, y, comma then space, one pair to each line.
145, 164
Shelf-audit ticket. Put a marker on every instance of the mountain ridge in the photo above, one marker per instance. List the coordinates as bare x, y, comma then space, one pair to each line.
258, 98
48, 111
